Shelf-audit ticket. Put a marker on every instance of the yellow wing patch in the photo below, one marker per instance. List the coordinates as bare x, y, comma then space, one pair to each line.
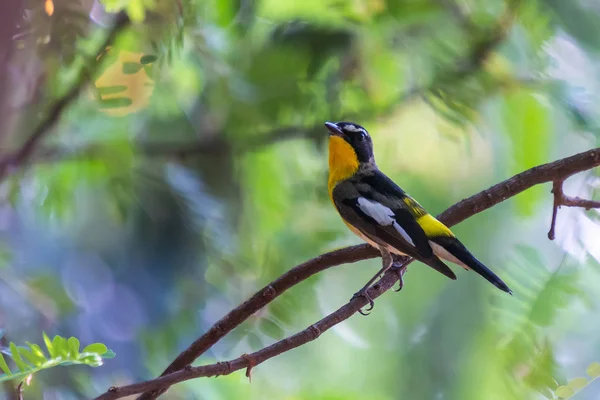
415, 208
432, 227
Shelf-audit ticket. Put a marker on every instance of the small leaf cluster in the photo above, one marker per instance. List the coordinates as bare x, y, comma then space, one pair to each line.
577, 384
61, 351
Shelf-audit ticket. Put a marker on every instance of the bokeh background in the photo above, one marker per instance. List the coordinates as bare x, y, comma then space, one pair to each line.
192, 171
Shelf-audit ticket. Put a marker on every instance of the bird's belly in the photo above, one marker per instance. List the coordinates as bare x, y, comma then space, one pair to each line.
371, 242
445, 254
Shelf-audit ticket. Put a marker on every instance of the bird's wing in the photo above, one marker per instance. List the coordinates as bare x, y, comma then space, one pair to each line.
378, 210
428, 223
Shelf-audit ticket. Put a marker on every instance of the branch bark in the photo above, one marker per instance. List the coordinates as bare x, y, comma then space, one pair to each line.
179, 370
561, 199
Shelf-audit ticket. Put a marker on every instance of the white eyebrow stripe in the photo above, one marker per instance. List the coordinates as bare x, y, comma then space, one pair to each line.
353, 128
383, 215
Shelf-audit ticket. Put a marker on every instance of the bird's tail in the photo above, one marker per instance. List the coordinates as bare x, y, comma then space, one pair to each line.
439, 266
457, 250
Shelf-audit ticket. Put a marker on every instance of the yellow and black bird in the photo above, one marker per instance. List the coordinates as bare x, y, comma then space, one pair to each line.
385, 216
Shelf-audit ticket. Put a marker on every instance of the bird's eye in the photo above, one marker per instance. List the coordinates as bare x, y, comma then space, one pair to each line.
361, 136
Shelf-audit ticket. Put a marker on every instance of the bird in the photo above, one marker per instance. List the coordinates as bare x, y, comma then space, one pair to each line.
382, 214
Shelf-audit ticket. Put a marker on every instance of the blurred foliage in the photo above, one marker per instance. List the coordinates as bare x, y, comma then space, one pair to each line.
31, 358
192, 171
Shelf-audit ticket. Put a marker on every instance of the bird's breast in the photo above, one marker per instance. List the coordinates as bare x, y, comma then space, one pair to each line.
343, 162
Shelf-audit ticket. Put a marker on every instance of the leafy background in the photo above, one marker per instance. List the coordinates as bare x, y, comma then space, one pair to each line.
193, 171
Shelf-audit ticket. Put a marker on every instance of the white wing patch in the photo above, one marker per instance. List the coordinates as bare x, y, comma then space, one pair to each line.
383, 215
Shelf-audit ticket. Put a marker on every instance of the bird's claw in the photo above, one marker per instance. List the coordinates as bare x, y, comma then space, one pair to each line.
365, 294
400, 273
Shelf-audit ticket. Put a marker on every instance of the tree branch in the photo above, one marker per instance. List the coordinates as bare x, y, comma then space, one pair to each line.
250, 360
561, 199
22, 155
179, 369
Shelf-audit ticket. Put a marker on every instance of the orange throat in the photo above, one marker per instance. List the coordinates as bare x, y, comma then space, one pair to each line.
343, 162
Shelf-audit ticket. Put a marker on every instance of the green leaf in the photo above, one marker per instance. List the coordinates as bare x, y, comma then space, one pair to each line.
36, 350
148, 59
564, 392
91, 359
4, 365
97, 348
49, 346
61, 346
130, 68
136, 10
578, 383
29, 356
106, 90
594, 370
527, 120
116, 102
73, 344
109, 354
66, 353
14, 352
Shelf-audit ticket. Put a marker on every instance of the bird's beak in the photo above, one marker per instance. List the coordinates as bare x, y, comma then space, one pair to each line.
333, 129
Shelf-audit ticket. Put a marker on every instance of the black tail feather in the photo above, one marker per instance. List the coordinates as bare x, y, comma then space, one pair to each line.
458, 250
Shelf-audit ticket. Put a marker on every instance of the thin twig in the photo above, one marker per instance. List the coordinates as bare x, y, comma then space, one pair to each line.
182, 149
21, 156
475, 204
250, 360
561, 199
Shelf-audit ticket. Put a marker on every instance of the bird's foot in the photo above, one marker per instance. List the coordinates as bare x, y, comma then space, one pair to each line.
400, 273
363, 293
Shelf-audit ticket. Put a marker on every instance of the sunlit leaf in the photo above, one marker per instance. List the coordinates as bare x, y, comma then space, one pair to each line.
95, 348
60, 346
527, 120
593, 370
68, 355
73, 344
564, 392
4, 365
577, 383
49, 346
16, 356
36, 350
30, 356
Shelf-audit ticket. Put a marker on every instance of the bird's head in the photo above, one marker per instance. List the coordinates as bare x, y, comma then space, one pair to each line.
350, 139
